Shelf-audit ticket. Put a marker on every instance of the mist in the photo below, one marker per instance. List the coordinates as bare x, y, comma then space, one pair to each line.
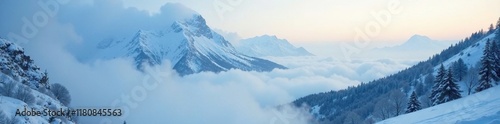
159, 94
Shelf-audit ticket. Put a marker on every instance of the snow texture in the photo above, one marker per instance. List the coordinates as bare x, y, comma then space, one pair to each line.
17, 68
481, 108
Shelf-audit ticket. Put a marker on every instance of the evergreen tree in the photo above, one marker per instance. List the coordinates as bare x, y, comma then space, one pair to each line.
486, 72
437, 83
496, 59
497, 33
452, 90
447, 90
414, 104
491, 29
460, 69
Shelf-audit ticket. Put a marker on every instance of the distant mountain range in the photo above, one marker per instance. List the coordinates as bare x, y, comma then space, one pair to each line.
416, 42
267, 45
189, 44
417, 47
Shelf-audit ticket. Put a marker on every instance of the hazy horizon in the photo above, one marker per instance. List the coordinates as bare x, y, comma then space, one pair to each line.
338, 20
163, 63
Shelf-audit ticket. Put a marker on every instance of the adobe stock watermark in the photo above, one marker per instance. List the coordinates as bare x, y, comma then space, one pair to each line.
138, 94
31, 26
363, 38
224, 6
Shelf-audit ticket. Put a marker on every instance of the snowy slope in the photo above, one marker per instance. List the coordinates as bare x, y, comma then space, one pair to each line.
18, 70
19, 66
190, 46
482, 107
479, 108
269, 46
472, 54
334, 106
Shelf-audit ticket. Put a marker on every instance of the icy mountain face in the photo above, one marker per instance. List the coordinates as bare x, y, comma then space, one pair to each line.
189, 44
24, 86
269, 46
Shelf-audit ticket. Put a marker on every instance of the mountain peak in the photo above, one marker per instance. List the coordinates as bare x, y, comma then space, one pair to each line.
268, 36
417, 38
190, 46
195, 25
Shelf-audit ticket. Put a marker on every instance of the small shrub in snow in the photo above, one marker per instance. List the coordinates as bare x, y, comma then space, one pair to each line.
61, 93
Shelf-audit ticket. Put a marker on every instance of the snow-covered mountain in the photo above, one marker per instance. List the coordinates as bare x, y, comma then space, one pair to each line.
266, 45
418, 46
417, 42
24, 86
190, 46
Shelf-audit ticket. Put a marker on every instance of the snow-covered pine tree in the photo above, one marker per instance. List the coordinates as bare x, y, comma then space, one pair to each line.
413, 104
497, 33
459, 69
486, 72
447, 90
437, 84
451, 89
496, 59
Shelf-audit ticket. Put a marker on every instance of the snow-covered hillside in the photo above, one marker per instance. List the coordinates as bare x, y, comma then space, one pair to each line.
479, 108
24, 85
190, 46
368, 102
266, 45
482, 107
472, 54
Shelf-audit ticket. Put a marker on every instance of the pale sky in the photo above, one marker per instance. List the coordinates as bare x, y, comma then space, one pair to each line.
336, 20
306, 21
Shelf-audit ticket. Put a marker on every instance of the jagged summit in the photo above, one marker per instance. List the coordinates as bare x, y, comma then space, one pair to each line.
189, 44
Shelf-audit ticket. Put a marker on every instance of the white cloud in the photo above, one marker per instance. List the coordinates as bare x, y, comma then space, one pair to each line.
359, 70
228, 97
234, 96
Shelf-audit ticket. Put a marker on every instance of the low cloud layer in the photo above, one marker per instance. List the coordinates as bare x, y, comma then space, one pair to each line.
160, 95
359, 70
